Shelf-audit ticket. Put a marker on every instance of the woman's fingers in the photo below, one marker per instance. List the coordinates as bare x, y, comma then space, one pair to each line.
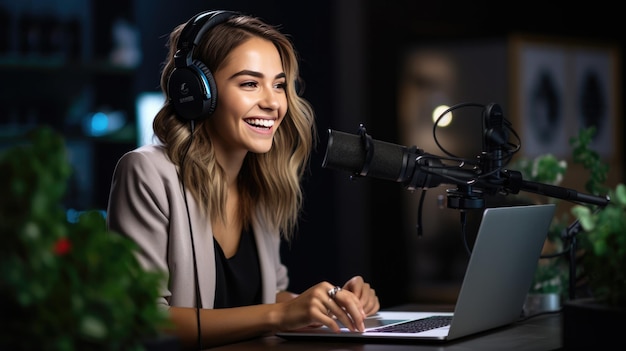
365, 293
325, 304
346, 308
369, 300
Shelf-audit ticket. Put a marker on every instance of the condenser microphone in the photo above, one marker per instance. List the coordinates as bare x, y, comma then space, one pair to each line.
364, 156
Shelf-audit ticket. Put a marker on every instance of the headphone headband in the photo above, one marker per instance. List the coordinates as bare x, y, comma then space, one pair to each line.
193, 31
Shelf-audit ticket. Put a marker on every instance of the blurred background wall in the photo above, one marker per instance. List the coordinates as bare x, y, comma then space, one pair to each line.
90, 69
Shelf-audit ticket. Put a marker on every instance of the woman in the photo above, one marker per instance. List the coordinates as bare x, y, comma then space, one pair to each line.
209, 202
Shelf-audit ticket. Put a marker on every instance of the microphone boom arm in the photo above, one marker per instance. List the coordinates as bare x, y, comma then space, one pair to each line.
429, 172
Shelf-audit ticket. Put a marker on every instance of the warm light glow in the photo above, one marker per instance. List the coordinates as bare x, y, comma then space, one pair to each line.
445, 120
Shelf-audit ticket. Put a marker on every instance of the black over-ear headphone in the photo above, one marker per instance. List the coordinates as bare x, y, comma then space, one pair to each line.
191, 86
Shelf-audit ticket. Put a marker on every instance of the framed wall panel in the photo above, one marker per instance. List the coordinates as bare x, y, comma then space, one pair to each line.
560, 86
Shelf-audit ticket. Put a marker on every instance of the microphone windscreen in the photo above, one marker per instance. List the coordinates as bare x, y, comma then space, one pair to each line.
348, 152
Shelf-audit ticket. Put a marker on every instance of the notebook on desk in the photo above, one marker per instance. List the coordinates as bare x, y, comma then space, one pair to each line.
497, 278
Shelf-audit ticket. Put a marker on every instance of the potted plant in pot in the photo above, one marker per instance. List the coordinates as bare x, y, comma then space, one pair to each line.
549, 286
66, 285
599, 237
593, 320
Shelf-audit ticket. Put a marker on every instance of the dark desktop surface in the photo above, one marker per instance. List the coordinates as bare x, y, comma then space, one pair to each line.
541, 332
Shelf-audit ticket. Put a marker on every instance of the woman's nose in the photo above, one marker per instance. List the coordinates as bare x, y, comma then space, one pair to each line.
271, 99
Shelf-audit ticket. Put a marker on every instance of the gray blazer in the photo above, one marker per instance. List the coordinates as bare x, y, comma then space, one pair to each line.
146, 203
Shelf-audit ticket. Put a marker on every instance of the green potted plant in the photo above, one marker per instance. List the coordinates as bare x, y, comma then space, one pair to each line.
604, 243
66, 285
551, 277
604, 229
591, 321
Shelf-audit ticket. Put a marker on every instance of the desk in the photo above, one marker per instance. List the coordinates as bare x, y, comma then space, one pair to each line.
535, 334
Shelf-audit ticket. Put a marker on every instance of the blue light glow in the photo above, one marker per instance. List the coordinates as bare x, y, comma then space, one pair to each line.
99, 124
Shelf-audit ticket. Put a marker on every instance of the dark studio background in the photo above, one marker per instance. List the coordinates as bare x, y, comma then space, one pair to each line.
350, 52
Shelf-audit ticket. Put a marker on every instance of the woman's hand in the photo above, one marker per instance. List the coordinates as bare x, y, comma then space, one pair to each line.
365, 293
325, 304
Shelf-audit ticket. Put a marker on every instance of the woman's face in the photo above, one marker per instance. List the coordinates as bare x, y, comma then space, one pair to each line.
251, 99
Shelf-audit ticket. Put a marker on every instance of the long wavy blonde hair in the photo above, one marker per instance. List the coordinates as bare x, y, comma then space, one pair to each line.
270, 183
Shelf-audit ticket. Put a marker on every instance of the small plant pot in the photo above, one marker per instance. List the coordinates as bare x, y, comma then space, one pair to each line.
541, 302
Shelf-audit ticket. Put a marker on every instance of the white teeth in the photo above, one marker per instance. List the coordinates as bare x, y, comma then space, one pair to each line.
267, 123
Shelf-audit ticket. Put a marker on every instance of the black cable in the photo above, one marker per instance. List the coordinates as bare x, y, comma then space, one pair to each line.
420, 229
193, 246
450, 109
510, 148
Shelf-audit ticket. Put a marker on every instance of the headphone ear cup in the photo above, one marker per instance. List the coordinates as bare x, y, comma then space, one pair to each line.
193, 91
210, 88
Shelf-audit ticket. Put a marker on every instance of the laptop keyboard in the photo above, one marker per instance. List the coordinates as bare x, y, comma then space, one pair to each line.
416, 326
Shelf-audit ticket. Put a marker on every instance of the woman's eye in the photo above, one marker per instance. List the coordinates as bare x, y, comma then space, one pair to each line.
281, 86
249, 84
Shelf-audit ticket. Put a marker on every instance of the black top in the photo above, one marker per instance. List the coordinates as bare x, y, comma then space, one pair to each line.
238, 279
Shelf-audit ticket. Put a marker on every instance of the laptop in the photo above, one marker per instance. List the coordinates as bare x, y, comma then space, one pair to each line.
497, 279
